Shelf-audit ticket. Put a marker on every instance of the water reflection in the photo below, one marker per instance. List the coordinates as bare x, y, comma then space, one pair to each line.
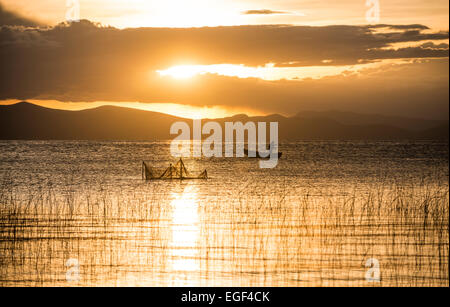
313, 221
185, 231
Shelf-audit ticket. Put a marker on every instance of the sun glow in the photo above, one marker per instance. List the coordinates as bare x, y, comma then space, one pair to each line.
269, 72
182, 71
230, 70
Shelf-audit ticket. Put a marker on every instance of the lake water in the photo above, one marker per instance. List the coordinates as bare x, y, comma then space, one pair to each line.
330, 214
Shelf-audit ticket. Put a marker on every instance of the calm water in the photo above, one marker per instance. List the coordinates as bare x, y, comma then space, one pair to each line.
315, 220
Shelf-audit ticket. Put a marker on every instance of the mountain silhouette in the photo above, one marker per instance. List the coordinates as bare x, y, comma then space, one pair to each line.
350, 118
25, 121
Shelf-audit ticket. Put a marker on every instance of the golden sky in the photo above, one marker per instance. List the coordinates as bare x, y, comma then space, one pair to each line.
274, 56
188, 13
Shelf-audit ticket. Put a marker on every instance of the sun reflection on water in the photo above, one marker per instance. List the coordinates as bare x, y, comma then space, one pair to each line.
185, 231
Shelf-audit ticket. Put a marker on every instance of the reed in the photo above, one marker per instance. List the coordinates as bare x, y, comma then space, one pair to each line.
257, 237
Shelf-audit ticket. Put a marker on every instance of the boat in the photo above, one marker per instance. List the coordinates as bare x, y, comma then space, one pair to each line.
173, 172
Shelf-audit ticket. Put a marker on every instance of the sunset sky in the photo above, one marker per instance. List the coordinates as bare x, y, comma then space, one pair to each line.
199, 13
278, 56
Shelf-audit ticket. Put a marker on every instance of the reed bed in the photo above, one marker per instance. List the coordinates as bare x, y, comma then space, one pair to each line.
257, 237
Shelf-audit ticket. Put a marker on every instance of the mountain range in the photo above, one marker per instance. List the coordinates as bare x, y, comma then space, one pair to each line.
25, 121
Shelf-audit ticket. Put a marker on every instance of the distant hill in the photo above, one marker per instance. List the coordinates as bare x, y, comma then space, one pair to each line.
30, 122
349, 118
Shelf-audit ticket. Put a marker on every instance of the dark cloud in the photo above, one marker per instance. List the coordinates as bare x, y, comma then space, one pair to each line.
250, 45
400, 27
8, 18
86, 62
431, 45
264, 12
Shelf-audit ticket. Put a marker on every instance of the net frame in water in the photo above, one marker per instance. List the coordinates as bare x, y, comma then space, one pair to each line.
177, 172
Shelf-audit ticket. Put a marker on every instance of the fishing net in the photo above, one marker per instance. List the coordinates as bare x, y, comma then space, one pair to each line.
177, 171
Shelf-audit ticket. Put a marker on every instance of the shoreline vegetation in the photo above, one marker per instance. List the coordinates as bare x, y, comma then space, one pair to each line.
308, 239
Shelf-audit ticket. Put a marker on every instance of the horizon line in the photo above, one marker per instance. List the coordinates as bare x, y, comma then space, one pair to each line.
132, 106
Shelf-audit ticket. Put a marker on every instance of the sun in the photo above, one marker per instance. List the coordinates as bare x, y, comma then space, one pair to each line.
182, 71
